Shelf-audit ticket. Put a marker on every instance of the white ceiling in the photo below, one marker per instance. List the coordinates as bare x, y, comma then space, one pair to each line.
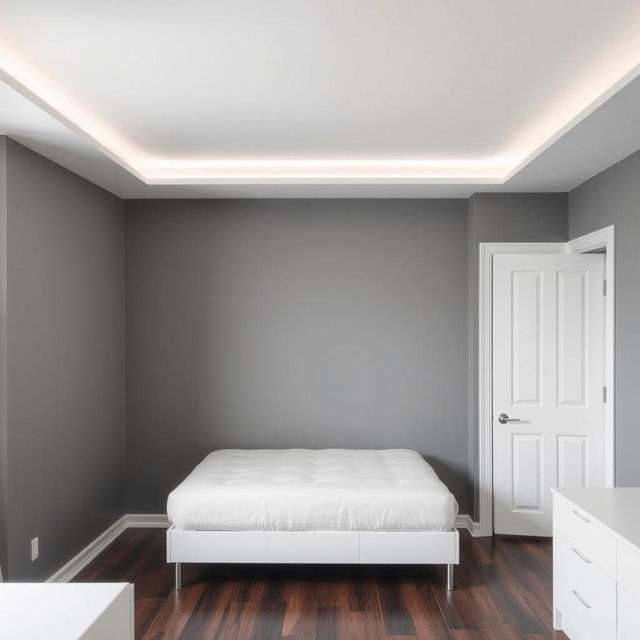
336, 98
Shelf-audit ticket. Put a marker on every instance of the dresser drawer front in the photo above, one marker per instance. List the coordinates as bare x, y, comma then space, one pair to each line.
585, 577
592, 540
629, 569
582, 620
628, 614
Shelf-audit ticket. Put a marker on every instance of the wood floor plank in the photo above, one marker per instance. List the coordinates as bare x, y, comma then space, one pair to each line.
204, 617
397, 620
146, 610
300, 613
427, 618
327, 623
271, 614
503, 593
174, 614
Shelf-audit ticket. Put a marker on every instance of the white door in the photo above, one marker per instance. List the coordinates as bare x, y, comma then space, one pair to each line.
548, 377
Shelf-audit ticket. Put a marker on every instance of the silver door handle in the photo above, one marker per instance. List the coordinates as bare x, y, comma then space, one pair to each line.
503, 418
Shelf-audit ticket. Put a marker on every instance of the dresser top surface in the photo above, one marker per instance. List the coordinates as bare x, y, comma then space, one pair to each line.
53, 611
617, 509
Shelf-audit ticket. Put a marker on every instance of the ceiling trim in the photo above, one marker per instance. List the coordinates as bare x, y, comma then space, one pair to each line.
30, 82
628, 77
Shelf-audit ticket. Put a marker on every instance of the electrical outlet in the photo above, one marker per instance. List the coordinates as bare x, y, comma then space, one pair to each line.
35, 549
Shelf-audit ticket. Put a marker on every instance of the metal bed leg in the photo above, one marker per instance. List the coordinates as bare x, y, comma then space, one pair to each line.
450, 586
178, 576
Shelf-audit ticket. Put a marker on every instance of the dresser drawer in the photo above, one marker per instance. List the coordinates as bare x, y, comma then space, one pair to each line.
581, 619
582, 575
628, 615
591, 539
629, 570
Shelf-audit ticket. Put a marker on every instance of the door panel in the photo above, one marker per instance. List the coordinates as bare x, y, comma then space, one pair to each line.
527, 471
526, 356
548, 374
573, 462
572, 320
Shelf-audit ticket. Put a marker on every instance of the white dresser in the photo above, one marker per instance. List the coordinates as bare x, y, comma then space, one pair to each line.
596, 563
76, 611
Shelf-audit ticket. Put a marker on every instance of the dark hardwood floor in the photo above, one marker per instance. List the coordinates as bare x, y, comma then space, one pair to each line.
503, 593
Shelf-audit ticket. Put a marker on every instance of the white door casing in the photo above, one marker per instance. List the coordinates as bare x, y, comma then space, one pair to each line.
548, 373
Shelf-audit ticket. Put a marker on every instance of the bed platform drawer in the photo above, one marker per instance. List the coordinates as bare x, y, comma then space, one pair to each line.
313, 547
216, 546
274, 547
409, 547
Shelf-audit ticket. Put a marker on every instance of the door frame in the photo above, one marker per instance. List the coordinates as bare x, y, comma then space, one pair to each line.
598, 240
604, 239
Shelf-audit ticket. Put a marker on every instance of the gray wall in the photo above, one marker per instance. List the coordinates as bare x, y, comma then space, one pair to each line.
250, 323
3, 360
294, 323
535, 217
613, 197
65, 361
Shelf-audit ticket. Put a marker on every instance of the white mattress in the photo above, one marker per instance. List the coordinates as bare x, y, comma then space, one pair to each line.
314, 490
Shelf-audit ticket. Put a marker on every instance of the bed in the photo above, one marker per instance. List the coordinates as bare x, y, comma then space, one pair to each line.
334, 506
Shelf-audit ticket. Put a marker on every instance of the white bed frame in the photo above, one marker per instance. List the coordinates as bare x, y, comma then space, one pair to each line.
313, 547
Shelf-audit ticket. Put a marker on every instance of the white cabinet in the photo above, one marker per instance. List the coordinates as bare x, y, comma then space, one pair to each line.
628, 615
77, 611
596, 563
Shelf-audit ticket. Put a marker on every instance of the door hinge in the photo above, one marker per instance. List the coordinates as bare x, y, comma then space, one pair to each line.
604, 287
604, 394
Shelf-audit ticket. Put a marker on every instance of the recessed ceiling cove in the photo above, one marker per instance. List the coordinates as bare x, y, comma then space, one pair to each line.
309, 92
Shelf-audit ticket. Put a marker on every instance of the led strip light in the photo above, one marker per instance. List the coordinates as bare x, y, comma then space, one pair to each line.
610, 77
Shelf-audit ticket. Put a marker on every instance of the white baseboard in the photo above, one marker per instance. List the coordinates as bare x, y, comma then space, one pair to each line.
160, 521
90, 552
95, 548
147, 520
464, 521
